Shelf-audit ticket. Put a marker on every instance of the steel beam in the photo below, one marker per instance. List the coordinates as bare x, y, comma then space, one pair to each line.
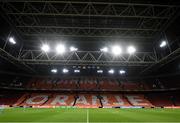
87, 58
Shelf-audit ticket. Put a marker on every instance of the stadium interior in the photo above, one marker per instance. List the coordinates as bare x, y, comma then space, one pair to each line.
90, 54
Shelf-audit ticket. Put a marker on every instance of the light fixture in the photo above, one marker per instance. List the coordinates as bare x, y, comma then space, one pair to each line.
65, 70
12, 41
122, 71
76, 71
131, 49
60, 49
105, 49
45, 48
99, 71
116, 50
54, 70
163, 44
111, 71
72, 49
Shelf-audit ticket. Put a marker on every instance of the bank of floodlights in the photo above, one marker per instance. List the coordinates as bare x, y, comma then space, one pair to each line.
76, 71
99, 71
163, 44
131, 50
73, 49
45, 48
65, 70
116, 50
122, 72
105, 49
54, 71
12, 40
111, 71
60, 49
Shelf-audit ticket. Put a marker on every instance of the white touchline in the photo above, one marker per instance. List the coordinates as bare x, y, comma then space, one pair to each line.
87, 115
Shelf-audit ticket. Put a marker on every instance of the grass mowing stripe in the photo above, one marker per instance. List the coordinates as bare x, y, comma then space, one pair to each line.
59, 115
87, 115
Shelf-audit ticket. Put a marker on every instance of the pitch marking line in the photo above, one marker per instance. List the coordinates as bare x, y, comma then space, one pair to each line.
87, 115
88, 122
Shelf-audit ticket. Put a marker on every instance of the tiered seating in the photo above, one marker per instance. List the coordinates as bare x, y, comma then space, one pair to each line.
138, 100
66, 84
15, 82
89, 83
177, 100
110, 100
87, 101
47, 100
90, 100
174, 84
60, 100
130, 86
160, 100
109, 84
9, 99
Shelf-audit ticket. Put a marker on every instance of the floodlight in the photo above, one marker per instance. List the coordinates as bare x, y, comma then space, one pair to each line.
99, 71
60, 49
105, 49
76, 71
111, 71
73, 49
122, 71
12, 41
45, 48
131, 49
65, 70
116, 50
54, 70
163, 44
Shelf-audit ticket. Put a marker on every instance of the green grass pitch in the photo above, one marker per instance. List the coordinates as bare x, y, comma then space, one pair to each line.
89, 115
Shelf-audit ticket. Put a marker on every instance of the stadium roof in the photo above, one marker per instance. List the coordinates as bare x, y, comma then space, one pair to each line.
89, 20
90, 25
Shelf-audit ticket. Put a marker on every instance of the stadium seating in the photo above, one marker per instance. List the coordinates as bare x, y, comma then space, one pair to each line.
102, 92
160, 99
89, 83
86, 83
107, 84
85, 100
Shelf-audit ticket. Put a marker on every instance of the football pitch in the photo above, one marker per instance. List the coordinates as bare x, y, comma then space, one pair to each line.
89, 115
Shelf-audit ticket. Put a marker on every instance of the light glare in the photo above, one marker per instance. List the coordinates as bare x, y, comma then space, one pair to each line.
65, 70
12, 41
54, 70
60, 49
105, 49
122, 71
76, 71
45, 48
99, 71
73, 49
163, 44
111, 71
116, 50
131, 49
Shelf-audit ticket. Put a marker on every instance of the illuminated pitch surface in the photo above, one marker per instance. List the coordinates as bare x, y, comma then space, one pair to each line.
90, 115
